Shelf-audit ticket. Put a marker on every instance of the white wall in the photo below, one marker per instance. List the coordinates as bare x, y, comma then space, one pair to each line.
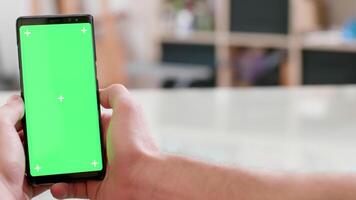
138, 30
9, 11
139, 27
143, 27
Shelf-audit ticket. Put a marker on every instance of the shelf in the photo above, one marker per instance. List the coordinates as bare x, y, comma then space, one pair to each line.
258, 40
283, 29
327, 41
198, 37
336, 48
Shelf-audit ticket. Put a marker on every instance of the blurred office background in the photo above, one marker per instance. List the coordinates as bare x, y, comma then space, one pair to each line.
205, 43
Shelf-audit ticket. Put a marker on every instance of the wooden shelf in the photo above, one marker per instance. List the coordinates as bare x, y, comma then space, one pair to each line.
327, 41
335, 48
258, 40
224, 40
198, 37
304, 16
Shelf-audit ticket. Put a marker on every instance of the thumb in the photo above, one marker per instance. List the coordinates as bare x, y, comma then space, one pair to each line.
114, 97
12, 111
12, 157
124, 122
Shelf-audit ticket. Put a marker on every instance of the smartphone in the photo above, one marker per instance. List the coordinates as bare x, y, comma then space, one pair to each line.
63, 140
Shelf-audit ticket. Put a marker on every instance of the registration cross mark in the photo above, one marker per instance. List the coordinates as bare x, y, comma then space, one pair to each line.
38, 168
27, 33
61, 98
94, 163
84, 30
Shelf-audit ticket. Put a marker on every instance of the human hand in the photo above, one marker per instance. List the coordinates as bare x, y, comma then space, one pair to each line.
12, 157
129, 149
137, 170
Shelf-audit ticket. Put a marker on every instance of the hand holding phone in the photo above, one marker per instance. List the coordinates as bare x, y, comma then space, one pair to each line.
12, 157
130, 151
62, 135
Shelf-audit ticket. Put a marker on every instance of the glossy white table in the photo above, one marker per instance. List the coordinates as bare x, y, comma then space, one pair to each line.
301, 130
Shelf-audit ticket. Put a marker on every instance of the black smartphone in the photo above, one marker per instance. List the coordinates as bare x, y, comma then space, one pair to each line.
63, 140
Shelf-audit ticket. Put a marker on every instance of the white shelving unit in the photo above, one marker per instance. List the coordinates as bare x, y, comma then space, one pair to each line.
225, 40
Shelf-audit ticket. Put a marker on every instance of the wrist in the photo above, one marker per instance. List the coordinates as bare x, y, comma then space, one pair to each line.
173, 177
151, 175
146, 174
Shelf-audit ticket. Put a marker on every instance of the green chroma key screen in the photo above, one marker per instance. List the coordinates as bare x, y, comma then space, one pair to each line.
59, 85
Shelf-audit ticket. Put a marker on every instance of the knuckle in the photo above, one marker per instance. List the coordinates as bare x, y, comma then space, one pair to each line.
118, 88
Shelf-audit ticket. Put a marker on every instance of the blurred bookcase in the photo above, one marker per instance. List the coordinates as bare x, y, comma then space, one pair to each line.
268, 26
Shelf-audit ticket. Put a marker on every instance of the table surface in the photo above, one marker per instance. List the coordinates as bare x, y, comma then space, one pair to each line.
300, 130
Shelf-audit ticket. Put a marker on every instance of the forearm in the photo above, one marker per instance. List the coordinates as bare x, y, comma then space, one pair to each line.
318, 186
178, 178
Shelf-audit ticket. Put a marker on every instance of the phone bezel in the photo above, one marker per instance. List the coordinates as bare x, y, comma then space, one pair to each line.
47, 20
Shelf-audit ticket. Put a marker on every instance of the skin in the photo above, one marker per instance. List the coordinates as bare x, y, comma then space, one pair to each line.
138, 170
12, 165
